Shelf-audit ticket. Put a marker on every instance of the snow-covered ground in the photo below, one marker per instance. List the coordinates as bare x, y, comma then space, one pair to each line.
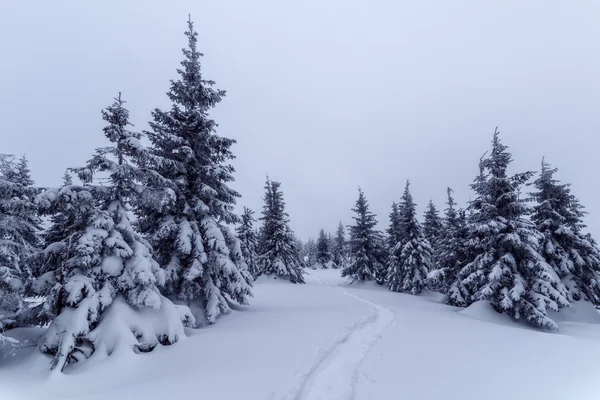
327, 340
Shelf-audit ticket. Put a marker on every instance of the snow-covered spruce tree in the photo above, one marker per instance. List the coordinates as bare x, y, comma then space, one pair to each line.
557, 216
19, 238
310, 253
279, 254
509, 272
106, 278
451, 253
249, 242
70, 208
432, 227
189, 233
340, 253
410, 259
458, 294
365, 263
324, 255
394, 234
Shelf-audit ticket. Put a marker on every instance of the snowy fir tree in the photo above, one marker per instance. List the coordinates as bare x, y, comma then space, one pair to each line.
310, 253
340, 253
432, 226
410, 259
19, 238
451, 252
249, 242
70, 208
557, 216
323, 255
509, 273
279, 253
394, 234
188, 227
365, 258
99, 262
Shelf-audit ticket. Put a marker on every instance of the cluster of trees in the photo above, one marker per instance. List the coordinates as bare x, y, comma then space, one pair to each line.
328, 251
525, 255
273, 250
145, 234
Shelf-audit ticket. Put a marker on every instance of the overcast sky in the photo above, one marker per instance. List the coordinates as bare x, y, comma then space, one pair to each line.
323, 95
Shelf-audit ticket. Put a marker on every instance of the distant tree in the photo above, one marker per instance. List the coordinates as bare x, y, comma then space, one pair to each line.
394, 232
188, 226
573, 256
509, 272
451, 254
310, 252
19, 238
280, 256
249, 242
340, 251
432, 228
324, 255
410, 259
365, 246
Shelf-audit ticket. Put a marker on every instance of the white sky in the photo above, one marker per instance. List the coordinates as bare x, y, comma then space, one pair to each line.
323, 95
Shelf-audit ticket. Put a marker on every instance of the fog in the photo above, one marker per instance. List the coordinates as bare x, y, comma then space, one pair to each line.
324, 96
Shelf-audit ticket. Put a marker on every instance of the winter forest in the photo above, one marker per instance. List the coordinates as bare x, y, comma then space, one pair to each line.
141, 248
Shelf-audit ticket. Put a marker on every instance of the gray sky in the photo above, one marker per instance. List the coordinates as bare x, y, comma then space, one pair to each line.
324, 95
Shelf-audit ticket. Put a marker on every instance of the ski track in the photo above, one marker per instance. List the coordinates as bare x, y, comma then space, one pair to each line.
334, 374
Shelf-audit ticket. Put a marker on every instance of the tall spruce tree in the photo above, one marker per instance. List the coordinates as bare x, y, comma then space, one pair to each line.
451, 254
19, 238
509, 272
105, 261
249, 242
557, 216
189, 228
410, 259
365, 263
323, 256
432, 227
279, 253
340, 253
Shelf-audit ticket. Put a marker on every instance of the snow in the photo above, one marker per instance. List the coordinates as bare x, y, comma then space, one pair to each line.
331, 340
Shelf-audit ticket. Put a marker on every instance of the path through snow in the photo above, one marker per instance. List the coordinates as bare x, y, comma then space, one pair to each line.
334, 374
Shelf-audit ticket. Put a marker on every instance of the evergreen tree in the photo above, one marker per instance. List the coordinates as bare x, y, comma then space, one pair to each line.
280, 256
323, 256
394, 232
19, 238
70, 208
410, 259
340, 256
100, 259
451, 254
249, 242
432, 227
310, 253
557, 216
365, 262
189, 228
509, 272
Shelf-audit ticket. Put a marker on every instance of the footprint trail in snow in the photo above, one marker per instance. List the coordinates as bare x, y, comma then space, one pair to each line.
333, 376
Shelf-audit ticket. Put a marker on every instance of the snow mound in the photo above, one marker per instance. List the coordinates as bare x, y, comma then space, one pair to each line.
124, 328
580, 311
483, 311
273, 279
